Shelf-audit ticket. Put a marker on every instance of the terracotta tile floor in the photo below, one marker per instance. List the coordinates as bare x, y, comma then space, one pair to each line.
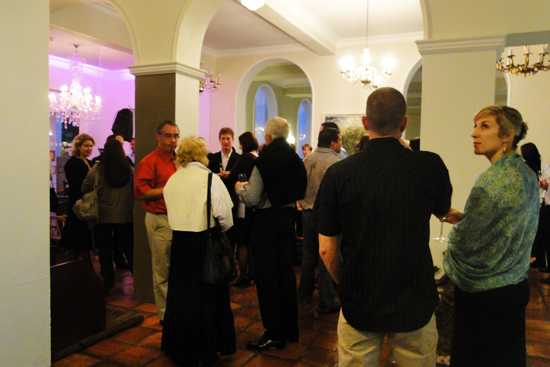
140, 346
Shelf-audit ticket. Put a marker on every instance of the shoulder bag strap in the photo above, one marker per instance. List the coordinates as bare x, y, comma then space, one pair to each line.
208, 201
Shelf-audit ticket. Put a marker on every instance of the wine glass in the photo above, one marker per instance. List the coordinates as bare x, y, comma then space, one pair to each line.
242, 177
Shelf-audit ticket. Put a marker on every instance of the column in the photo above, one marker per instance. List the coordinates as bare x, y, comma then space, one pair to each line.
458, 79
166, 91
24, 222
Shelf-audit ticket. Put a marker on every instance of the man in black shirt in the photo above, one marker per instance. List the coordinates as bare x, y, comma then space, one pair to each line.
380, 201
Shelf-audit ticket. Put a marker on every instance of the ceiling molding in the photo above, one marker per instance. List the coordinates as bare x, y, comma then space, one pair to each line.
168, 68
344, 43
376, 40
460, 45
253, 50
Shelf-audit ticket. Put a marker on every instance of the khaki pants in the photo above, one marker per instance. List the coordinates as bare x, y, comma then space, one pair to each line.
159, 235
411, 349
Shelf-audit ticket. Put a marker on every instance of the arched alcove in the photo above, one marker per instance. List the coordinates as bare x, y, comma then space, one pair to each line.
265, 107
243, 91
303, 125
413, 94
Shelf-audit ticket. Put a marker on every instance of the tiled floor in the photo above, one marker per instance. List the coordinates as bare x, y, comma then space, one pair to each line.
140, 346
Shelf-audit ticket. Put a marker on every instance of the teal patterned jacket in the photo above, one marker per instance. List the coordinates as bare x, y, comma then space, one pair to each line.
491, 246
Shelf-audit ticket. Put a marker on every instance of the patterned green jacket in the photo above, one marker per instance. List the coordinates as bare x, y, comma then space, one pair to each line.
491, 246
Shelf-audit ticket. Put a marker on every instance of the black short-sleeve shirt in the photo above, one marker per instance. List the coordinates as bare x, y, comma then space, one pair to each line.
380, 201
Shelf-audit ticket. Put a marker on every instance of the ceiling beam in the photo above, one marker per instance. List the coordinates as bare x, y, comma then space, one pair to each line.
300, 25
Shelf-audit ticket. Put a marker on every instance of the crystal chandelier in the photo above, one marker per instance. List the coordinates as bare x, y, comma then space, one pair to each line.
365, 73
209, 84
74, 102
524, 68
253, 5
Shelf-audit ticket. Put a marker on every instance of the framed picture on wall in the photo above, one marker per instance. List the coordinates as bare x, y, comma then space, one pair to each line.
351, 129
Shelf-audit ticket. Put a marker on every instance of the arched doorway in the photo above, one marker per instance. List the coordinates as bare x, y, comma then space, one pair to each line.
290, 87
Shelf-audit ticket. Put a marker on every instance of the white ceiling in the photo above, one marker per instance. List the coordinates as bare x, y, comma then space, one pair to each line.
236, 28
231, 29
93, 51
347, 18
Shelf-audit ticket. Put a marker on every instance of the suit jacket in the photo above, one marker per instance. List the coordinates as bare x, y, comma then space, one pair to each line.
214, 162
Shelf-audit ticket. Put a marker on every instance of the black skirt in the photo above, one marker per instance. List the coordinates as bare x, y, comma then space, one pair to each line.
198, 321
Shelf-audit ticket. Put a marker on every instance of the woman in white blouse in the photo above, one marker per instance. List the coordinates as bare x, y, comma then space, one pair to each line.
198, 322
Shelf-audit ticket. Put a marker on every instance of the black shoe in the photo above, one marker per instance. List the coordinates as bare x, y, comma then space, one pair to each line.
265, 343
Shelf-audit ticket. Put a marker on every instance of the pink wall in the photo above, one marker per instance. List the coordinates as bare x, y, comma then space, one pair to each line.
116, 88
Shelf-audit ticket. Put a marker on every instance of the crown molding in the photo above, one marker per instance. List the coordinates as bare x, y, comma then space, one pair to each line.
253, 50
431, 47
168, 68
376, 40
344, 43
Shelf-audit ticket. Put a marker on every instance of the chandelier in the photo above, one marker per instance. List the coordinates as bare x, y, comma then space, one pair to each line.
208, 84
74, 102
525, 68
253, 5
365, 73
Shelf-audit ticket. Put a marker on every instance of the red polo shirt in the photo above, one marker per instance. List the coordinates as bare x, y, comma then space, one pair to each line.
152, 172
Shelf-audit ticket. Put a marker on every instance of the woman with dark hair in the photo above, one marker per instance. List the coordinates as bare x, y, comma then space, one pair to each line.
531, 155
241, 172
113, 175
490, 247
77, 235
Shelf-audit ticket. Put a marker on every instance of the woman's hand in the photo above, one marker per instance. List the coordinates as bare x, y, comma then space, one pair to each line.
543, 183
453, 216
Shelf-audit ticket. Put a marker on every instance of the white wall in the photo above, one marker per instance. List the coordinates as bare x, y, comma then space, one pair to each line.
24, 263
331, 94
531, 96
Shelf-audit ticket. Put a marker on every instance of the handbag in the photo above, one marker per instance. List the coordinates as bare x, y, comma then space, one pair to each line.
219, 264
87, 208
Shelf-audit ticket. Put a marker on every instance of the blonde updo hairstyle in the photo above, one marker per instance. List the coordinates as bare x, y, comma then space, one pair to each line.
78, 141
509, 120
192, 149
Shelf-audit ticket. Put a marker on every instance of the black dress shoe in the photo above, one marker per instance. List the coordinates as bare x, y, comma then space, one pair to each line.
265, 343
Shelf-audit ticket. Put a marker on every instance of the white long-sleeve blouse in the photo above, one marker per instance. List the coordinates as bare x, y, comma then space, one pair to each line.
185, 197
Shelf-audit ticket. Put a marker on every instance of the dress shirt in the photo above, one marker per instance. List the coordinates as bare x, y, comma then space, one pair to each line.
225, 159
316, 165
185, 196
152, 172
380, 201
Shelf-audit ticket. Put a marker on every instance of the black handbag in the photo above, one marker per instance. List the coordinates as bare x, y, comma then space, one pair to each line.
219, 264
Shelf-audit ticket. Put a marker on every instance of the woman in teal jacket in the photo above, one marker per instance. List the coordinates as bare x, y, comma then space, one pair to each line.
490, 247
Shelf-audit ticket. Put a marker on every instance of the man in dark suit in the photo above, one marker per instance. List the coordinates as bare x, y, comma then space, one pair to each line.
223, 161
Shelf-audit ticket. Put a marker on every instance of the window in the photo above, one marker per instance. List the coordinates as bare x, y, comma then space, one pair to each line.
304, 125
265, 107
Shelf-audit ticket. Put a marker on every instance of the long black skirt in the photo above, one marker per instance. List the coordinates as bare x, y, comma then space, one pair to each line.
198, 322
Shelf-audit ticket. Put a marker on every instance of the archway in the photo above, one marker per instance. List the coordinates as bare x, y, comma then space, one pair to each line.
253, 77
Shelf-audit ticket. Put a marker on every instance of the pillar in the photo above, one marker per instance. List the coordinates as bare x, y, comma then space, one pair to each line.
166, 91
458, 79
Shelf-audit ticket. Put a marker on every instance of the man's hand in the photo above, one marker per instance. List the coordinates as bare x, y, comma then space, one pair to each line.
453, 216
224, 174
239, 185
543, 183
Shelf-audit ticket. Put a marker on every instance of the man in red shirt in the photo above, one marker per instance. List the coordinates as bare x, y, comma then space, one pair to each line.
151, 175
